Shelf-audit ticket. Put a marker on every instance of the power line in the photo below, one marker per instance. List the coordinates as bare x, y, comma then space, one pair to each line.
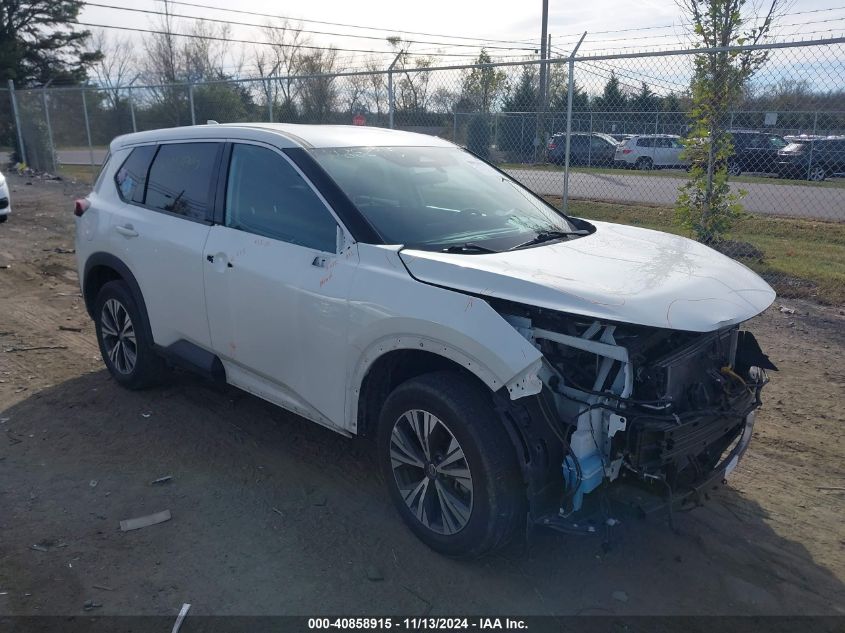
351, 26
252, 24
241, 41
669, 26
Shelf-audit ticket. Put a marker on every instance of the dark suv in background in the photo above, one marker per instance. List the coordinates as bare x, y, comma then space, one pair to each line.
755, 152
812, 158
584, 149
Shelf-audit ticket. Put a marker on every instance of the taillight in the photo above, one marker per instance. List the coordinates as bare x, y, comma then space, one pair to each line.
552, 146
627, 151
80, 207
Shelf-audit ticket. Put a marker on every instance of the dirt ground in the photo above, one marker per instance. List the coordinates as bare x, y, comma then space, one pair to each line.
274, 515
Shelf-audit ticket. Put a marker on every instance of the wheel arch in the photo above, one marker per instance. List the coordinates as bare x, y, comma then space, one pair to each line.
394, 359
101, 268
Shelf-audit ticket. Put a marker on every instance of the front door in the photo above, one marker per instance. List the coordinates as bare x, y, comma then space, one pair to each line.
276, 287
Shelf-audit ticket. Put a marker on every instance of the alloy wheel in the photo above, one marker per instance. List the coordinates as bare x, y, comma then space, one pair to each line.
817, 173
431, 472
118, 334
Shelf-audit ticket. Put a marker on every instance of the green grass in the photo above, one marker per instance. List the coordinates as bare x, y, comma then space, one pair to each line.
801, 258
838, 183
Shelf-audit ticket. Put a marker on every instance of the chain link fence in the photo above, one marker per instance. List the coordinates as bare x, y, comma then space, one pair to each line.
609, 144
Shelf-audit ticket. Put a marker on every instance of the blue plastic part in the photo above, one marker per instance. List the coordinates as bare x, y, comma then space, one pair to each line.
592, 473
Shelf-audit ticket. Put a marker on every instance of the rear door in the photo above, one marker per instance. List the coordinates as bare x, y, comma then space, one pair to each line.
276, 286
161, 229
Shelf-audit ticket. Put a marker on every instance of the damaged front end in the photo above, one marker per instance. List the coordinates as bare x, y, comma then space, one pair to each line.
668, 411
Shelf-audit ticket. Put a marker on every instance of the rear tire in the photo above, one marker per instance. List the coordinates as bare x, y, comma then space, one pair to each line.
817, 173
644, 164
3, 218
126, 348
449, 465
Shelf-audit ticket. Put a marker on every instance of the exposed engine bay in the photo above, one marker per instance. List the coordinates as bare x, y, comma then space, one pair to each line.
661, 407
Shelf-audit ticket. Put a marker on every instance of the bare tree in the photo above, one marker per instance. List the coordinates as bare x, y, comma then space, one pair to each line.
116, 69
319, 92
279, 63
377, 86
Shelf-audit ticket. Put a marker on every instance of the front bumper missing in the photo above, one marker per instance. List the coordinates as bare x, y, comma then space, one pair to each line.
646, 502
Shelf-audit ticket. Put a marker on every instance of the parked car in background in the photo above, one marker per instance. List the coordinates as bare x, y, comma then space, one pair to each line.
508, 359
649, 151
584, 149
813, 159
755, 152
5, 200
621, 138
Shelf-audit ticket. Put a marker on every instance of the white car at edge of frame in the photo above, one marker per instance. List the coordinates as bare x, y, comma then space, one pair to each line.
508, 359
5, 199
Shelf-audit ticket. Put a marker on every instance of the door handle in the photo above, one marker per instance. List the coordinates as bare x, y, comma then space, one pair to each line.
127, 230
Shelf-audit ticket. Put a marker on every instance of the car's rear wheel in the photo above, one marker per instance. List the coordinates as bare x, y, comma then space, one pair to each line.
3, 218
450, 466
125, 346
817, 173
644, 164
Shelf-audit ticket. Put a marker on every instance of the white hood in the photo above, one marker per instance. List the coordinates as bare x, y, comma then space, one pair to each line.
619, 273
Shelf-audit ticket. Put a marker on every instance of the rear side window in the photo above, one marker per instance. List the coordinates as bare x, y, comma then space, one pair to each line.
181, 179
645, 142
131, 178
266, 196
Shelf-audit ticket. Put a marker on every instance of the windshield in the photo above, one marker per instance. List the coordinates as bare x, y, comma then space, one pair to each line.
436, 198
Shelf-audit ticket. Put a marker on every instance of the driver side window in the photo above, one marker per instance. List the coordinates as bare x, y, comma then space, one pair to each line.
266, 196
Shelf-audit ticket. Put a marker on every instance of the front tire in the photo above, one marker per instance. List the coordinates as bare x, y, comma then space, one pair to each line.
449, 465
125, 346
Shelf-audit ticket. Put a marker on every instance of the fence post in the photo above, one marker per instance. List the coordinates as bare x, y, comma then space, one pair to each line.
21, 147
191, 99
569, 97
270, 100
810, 162
391, 101
132, 110
88, 132
49, 128
454, 127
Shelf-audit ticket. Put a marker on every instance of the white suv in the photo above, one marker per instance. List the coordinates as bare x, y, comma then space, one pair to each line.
5, 200
508, 359
648, 151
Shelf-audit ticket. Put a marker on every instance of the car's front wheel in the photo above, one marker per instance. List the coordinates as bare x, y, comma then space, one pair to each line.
450, 466
122, 335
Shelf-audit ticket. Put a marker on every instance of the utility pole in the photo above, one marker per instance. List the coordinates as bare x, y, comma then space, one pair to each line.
544, 69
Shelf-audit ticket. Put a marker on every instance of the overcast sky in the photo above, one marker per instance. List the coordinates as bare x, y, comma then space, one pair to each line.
494, 19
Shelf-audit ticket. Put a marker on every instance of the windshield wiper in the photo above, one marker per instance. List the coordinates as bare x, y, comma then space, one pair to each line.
468, 247
548, 236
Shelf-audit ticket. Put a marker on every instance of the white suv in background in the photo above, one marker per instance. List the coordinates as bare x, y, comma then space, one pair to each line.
5, 199
508, 359
649, 151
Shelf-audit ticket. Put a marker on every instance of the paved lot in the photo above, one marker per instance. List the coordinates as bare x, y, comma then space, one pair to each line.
275, 515
803, 201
